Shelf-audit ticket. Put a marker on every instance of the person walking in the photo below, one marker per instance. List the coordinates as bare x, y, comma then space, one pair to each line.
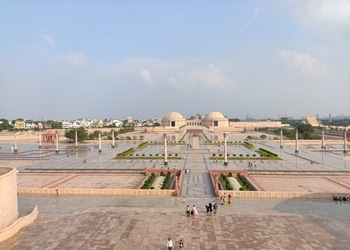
169, 244
215, 206
194, 211
188, 211
181, 245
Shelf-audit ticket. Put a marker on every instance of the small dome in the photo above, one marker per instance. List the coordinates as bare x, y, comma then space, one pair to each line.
173, 119
214, 115
173, 116
215, 119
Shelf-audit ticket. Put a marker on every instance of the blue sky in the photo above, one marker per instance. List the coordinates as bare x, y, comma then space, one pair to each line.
112, 59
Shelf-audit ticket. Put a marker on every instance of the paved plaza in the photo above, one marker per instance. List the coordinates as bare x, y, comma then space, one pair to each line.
80, 222
89, 222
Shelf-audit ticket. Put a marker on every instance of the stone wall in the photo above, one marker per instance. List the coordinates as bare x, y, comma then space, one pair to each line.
8, 197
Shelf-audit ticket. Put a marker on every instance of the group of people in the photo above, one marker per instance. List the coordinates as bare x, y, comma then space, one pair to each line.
223, 199
191, 211
210, 207
169, 244
251, 165
341, 198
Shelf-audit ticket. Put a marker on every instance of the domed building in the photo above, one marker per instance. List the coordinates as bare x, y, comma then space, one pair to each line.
173, 119
215, 119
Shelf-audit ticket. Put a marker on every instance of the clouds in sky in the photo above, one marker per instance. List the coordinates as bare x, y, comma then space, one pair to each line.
324, 13
304, 63
251, 19
76, 59
48, 40
116, 59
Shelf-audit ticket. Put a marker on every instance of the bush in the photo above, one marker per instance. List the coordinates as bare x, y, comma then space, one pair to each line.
245, 184
166, 181
148, 183
226, 183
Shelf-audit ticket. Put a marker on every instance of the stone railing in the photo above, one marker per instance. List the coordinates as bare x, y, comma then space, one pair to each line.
87, 191
277, 195
17, 225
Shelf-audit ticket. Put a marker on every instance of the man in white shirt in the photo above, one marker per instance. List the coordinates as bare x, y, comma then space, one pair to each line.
169, 244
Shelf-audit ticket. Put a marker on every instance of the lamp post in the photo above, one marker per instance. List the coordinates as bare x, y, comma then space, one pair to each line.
345, 143
296, 141
99, 142
39, 139
281, 139
113, 142
322, 146
15, 150
76, 138
165, 151
225, 150
56, 143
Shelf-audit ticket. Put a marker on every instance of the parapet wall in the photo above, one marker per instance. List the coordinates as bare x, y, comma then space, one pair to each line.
8, 196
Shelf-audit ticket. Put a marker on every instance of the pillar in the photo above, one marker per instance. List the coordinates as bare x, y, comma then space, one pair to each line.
296, 141
113, 142
281, 139
345, 143
99, 142
165, 151
322, 146
15, 144
225, 150
76, 138
40, 140
57, 143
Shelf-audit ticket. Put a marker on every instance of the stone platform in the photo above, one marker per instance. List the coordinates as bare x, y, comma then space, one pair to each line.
139, 223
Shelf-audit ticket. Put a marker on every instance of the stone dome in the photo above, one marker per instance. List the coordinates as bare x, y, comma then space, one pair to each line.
173, 119
173, 116
215, 118
214, 115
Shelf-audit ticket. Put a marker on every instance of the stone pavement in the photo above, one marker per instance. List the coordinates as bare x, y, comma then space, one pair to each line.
80, 222
88, 222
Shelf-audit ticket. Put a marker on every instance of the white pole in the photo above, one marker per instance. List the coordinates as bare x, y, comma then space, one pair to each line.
76, 138
165, 151
296, 141
99, 142
225, 150
39, 139
113, 143
56, 142
15, 145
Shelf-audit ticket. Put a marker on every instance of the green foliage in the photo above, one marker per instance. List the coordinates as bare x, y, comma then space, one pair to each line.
263, 137
248, 145
266, 153
82, 134
340, 122
142, 145
94, 135
166, 181
225, 182
245, 184
125, 153
5, 125
148, 183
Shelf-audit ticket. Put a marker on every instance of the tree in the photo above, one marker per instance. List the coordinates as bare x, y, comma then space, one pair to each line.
82, 134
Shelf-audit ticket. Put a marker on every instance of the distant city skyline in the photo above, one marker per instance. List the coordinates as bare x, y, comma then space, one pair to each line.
61, 60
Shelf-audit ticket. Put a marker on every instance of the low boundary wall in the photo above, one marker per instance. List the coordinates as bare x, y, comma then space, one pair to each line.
278, 195
74, 191
17, 225
168, 193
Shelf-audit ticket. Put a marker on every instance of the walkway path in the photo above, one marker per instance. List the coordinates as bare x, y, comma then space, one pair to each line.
196, 182
85, 222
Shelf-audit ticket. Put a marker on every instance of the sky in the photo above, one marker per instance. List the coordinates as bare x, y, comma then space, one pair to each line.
64, 60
